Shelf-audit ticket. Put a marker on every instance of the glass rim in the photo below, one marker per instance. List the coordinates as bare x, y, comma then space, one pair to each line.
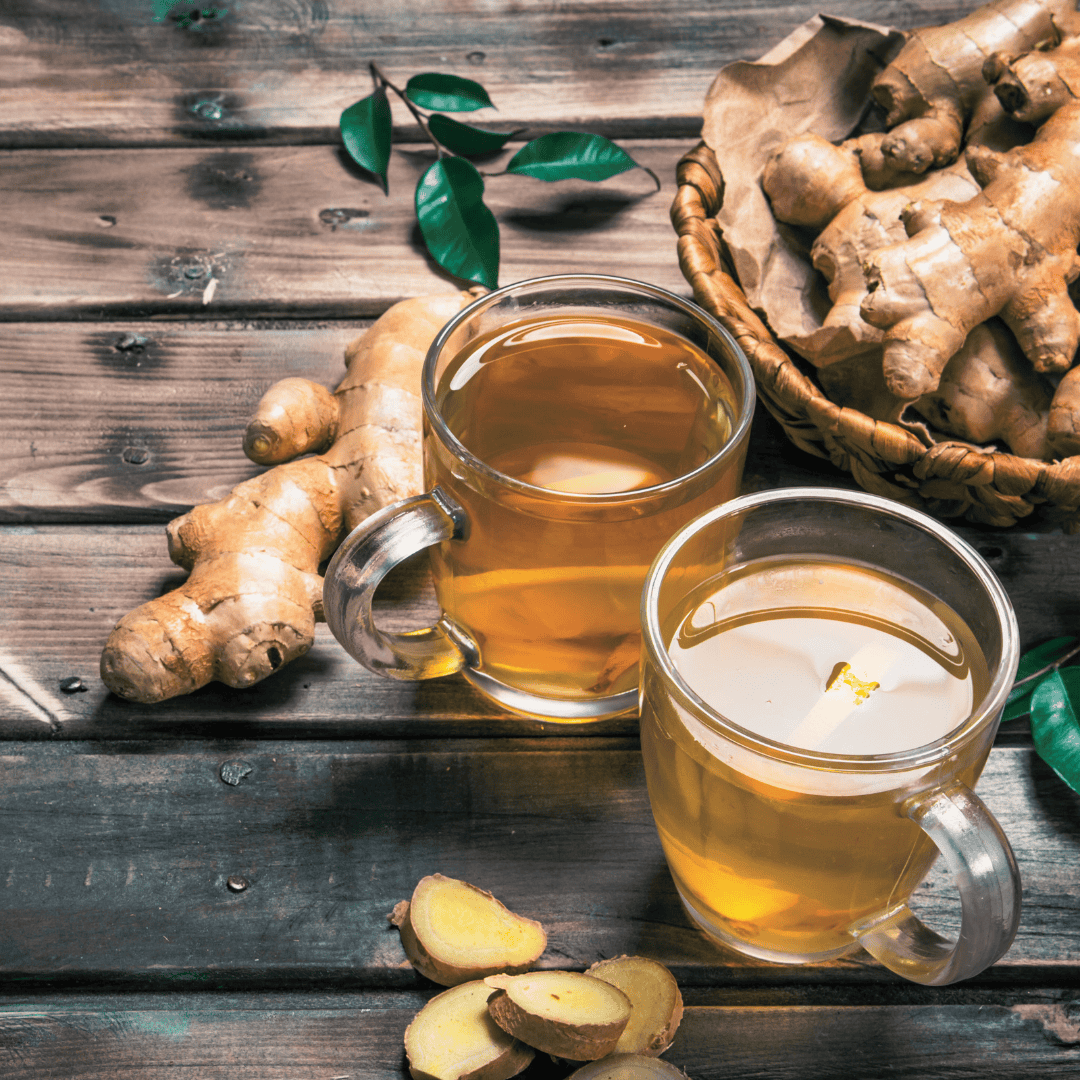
740, 427
983, 713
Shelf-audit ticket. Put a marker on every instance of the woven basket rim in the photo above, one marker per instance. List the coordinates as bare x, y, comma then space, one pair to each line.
949, 479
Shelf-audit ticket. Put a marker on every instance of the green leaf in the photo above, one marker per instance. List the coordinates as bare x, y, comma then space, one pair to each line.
1019, 700
1054, 727
466, 139
163, 7
565, 155
459, 230
366, 132
448, 93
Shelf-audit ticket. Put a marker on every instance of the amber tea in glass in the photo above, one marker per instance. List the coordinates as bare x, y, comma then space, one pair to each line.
824, 674
571, 426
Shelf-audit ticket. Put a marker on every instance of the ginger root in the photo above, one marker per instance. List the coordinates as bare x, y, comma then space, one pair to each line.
562, 1013
453, 932
989, 393
254, 592
1035, 84
1011, 250
931, 89
453, 1037
656, 1004
814, 183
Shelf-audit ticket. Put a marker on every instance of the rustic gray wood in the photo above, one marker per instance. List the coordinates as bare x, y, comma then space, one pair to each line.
293, 231
181, 229
78, 76
358, 1036
114, 860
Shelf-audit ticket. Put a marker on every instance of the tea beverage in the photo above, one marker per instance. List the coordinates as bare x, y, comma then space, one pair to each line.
817, 655
571, 424
579, 412
822, 676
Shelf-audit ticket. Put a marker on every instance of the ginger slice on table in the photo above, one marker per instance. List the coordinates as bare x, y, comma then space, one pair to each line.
657, 1005
628, 1067
562, 1013
453, 1037
453, 932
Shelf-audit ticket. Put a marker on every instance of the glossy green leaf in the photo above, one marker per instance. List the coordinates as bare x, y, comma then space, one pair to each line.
1019, 700
447, 93
459, 230
163, 7
565, 155
366, 132
466, 139
1055, 704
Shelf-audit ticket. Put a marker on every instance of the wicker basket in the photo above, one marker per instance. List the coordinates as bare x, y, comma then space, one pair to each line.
949, 479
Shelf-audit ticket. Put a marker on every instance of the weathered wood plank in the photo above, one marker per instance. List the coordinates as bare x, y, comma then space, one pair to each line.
137, 422
140, 421
353, 1036
291, 231
114, 861
63, 588
73, 75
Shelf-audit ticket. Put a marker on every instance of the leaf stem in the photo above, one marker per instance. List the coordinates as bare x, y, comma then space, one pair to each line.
1049, 667
378, 74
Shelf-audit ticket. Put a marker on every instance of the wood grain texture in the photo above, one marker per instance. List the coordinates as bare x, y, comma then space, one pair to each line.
63, 588
73, 74
139, 421
292, 231
114, 861
358, 1036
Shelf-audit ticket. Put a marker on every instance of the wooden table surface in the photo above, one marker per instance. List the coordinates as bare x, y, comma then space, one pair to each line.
141, 158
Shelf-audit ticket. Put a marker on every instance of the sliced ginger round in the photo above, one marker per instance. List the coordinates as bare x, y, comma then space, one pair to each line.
654, 995
628, 1067
453, 1037
562, 1013
453, 932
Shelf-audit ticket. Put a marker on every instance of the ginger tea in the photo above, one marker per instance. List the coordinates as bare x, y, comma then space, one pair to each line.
592, 416
811, 655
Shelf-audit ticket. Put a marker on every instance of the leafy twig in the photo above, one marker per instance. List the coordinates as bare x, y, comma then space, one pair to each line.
459, 230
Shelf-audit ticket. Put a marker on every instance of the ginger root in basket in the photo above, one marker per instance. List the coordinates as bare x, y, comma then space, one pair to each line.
656, 1004
562, 1013
453, 932
453, 1037
1009, 251
1035, 84
814, 183
932, 87
254, 592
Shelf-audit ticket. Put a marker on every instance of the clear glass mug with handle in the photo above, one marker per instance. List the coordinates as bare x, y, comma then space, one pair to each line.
571, 425
823, 674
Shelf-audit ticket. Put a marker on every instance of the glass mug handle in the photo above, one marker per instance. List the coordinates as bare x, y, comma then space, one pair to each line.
984, 868
365, 557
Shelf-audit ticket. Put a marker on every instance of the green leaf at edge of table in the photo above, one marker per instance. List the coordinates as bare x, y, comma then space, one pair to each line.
566, 155
1019, 700
466, 139
1055, 703
447, 93
460, 231
366, 131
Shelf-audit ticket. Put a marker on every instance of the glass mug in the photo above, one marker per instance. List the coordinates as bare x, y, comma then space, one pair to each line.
823, 674
571, 425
